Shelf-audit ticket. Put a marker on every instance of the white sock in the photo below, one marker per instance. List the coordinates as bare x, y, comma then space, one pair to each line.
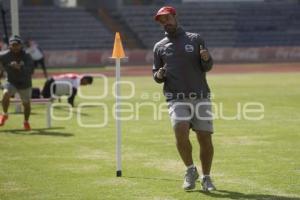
204, 176
191, 166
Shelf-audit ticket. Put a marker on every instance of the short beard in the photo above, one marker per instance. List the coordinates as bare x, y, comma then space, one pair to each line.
16, 51
170, 28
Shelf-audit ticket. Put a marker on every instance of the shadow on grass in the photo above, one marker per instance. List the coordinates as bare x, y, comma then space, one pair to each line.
21, 113
39, 131
153, 178
238, 195
73, 110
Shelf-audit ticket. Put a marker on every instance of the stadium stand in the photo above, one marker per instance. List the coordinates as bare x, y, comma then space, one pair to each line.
222, 24
63, 28
225, 24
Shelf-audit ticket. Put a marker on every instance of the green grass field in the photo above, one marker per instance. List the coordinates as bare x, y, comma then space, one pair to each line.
256, 160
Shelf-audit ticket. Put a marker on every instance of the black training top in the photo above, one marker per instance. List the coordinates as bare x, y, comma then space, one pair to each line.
20, 78
185, 71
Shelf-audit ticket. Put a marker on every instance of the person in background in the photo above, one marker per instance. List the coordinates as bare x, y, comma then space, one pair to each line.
3, 45
37, 55
75, 80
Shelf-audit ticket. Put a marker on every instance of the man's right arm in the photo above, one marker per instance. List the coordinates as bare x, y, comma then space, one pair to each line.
158, 64
1, 66
1, 71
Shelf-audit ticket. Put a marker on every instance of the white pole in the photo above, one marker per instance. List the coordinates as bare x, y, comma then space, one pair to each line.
48, 115
14, 12
118, 122
119, 4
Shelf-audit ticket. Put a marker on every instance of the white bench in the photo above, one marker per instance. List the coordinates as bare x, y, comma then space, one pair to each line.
46, 101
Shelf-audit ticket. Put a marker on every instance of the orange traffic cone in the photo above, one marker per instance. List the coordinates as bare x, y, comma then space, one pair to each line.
118, 51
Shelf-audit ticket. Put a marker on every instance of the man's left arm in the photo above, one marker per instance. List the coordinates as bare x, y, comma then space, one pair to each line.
206, 60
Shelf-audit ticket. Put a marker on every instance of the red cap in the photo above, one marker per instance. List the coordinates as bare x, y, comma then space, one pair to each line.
165, 11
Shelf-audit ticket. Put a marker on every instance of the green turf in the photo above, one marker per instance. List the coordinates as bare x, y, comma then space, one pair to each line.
253, 159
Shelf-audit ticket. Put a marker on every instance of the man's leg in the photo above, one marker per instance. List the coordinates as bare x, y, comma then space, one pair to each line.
25, 96
5, 105
72, 97
206, 157
46, 91
180, 114
42, 63
35, 65
184, 148
27, 110
206, 151
5, 101
183, 143
9, 90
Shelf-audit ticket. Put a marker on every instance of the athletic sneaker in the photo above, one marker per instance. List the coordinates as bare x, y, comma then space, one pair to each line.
207, 184
3, 118
190, 178
27, 126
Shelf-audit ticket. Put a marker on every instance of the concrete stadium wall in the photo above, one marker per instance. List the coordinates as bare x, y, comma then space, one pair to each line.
145, 57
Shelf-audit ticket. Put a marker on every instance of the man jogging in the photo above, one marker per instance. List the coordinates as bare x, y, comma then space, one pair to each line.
181, 62
18, 66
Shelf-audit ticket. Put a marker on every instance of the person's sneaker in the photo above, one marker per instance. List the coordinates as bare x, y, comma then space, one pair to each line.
3, 118
207, 184
190, 178
27, 126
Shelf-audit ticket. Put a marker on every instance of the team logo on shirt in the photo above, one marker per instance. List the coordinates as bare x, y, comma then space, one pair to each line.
189, 48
